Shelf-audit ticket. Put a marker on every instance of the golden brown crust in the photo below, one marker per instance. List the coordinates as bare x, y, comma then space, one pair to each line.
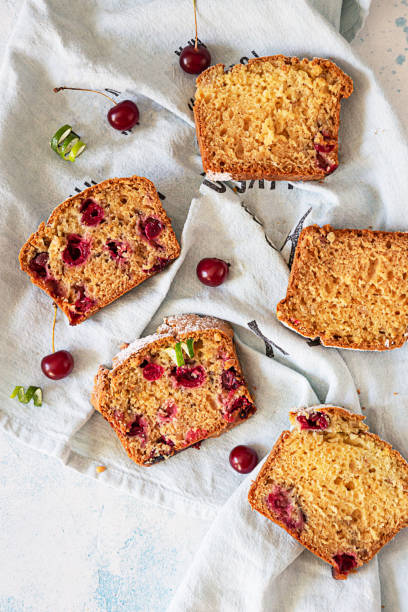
95, 190
260, 170
267, 469
296, 273
316, 61
101, 396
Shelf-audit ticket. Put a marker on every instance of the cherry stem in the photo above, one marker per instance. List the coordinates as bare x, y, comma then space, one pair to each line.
57, 89
195, 23
53, 326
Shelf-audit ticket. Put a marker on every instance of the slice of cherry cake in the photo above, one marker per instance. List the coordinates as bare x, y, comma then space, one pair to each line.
274, 118
338, 489
99, 244
174, 388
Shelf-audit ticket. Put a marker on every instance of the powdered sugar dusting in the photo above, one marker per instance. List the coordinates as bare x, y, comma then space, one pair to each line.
185, 323
306, 410
136, 346
171, 327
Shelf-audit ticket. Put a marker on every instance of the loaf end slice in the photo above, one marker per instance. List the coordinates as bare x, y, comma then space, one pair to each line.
99, 244
158, 408
349, 288
335, 487
274, 118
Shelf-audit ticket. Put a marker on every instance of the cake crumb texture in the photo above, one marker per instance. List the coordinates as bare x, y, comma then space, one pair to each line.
158, 408
100, 244
338, 489
349, 288
276, 117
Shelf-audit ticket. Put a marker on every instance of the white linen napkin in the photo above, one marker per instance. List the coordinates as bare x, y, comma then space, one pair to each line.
246, 562
130, 47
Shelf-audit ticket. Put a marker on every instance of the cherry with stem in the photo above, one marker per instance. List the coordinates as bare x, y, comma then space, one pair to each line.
122, 116
195, 58
59, 363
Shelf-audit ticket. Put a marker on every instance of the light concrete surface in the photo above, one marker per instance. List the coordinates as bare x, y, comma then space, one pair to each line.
383, 45
69, 544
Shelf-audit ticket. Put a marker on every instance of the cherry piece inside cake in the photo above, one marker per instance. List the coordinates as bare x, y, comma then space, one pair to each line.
174, 388
274, 118
100, 244
338, 489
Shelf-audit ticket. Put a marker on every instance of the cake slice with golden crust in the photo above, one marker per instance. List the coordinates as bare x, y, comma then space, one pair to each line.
348, 287
338, 489
276, 117
170, 390
99, 244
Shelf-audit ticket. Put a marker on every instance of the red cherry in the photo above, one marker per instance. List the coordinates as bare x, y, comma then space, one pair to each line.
39, 265
152, 228
315, 420
345, 563
240, 408
325, 165
124, 115
243, 459
230, 379
117, 250
212, 271
153, 371
92, 212
190, 377
57, 365
194, 60
323, 148
77, 250
139, 428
